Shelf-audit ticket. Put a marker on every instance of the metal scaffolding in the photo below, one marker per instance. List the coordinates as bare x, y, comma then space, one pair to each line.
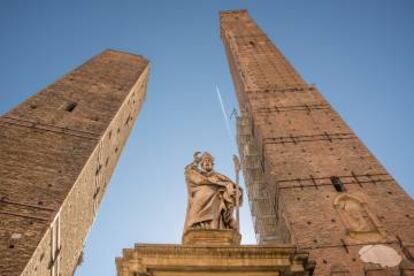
261, 194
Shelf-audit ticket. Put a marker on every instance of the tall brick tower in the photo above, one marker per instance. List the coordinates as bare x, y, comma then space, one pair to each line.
58, 150
311, 181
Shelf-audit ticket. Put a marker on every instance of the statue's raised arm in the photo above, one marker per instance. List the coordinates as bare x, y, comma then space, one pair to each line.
212, 197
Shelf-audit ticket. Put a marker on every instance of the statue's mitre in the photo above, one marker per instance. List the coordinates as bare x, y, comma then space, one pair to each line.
207, 155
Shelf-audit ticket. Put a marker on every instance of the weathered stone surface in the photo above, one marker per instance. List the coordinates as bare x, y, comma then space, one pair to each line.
58, 151
299, 156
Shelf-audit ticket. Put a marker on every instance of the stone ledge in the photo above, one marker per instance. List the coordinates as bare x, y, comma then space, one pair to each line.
180, 260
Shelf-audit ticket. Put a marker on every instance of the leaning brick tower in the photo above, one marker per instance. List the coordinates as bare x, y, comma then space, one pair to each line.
58, 150
311, 181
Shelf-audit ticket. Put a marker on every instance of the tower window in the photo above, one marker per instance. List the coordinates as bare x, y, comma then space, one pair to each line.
98, 169
337, 183
127, 120
70, 106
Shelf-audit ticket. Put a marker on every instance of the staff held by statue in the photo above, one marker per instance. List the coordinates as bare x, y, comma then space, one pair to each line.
237, 168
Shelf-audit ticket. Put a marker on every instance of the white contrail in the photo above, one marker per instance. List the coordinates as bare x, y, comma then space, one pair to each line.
224, 112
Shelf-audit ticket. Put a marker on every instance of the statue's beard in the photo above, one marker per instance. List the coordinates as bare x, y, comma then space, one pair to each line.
207, 171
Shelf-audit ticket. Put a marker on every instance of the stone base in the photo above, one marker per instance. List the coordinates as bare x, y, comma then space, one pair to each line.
211, 260
211, 237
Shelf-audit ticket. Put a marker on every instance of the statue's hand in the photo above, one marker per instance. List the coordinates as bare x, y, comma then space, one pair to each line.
214, 180
231, 189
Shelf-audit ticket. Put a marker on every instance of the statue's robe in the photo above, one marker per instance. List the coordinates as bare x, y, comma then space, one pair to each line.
208, 199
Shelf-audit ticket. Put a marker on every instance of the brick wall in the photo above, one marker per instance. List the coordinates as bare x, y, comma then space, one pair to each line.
302, 148
59, 149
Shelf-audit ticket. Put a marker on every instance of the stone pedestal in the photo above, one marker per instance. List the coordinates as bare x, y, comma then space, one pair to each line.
211, 237
209, 253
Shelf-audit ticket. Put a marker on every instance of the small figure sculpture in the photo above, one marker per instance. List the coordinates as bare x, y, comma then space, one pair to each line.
359, 222
212, 197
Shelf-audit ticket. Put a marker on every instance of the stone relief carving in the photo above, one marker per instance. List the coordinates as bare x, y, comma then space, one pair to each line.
212, 197
359, 222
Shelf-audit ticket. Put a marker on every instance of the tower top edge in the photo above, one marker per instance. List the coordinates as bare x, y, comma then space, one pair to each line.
233, 12
108, 50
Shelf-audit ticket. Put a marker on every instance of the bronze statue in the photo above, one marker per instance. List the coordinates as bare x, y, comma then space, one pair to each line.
212, 197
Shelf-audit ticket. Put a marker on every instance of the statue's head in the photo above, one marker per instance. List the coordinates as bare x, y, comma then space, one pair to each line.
207, 162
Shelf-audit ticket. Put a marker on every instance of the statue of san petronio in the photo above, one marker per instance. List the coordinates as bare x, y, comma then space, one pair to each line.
212, 197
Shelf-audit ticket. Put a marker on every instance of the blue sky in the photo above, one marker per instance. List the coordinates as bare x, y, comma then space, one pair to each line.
358, 53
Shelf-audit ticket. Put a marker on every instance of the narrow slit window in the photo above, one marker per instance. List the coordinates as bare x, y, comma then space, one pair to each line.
127, 120
98, 169
337, 183
70, 106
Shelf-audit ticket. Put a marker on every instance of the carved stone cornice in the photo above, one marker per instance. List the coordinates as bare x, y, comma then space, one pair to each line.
152, 258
